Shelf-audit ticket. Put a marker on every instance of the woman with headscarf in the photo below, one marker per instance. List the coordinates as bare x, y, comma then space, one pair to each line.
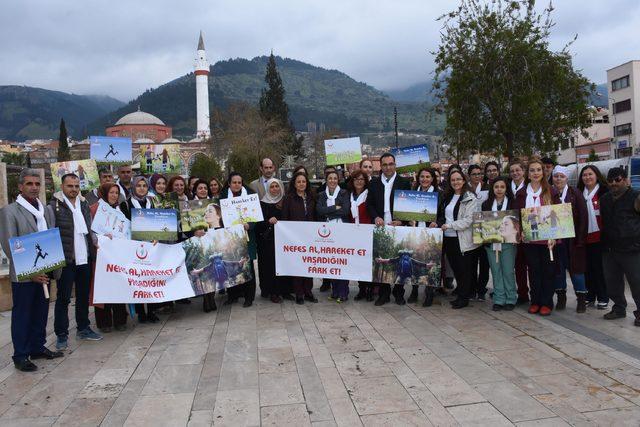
108, 315
140, 199
158, 183
271, 204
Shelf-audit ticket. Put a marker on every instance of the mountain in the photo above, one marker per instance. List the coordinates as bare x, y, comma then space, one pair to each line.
600, 97
419, 92
314, 94
29, 112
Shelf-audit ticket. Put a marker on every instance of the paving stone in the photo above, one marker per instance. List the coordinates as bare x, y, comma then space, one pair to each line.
478, 414
280, 389
161, 410
412, 418
172, 379
378, 395
285, 415
237, 407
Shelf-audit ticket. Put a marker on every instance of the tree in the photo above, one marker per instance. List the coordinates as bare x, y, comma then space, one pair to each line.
16, 159
593, 157
500, 86
205, 167
63, 143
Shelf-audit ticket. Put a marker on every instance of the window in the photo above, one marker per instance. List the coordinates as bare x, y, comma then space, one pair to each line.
620, 83
624, 129
622, 106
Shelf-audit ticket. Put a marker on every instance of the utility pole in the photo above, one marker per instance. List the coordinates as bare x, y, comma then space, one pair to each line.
395, 123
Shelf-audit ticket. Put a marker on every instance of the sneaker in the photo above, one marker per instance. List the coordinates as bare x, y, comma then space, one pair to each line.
339, 300
602, 305
534, 308
62, 342
331, 298
612, 315
545, 311
88, 335
480, 297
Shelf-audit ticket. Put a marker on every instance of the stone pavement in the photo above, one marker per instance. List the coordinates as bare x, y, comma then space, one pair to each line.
327, 364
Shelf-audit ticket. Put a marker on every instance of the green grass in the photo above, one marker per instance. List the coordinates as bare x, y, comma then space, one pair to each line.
413, 216
412, 168
148, 236
53, 267
342, 158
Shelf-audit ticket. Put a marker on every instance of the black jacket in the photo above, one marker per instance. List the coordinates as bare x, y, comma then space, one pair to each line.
64, 221
620, 222
328, 213
375, 199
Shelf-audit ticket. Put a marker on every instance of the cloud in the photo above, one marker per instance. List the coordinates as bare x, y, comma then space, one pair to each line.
121, 48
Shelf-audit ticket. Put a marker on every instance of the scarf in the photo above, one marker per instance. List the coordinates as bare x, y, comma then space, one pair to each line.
563, 196
134, 195
79, 225
515, 189
593, 212
355, 203
268, 198
388, 187
41, 222
494, 207
123, 191
478, 189
136, 203
242, 193
331, 199
533, 197
429, 190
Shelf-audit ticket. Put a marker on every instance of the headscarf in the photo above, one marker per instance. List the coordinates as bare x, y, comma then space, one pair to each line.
154, 180
104, 192
561, 169
268, 198
134, 183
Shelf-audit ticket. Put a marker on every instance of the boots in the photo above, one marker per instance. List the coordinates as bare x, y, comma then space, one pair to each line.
428, 297
414, 294
562, 299
582, 303
209, 302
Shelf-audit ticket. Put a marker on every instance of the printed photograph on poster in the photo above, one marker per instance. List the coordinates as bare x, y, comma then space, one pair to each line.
411, 159
496, 227
547, 222
218, 260
407, 255
154, 224
241, 210
86, 170
415, 206
634, 172
161, 158
166, 201
200, 215
342, 150
110, 221
36, 253
110, 149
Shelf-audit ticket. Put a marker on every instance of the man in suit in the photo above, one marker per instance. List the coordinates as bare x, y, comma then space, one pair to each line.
27, 215
380, 206
267, 169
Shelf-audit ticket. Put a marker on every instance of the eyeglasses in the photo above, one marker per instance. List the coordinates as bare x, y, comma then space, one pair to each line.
359, 179
617, 180
477, 174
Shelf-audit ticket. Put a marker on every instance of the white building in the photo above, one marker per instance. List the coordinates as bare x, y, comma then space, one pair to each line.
597, 140
624, 95
202, 92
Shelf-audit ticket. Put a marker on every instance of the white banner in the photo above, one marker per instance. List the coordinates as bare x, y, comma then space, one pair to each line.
325, 250
129, 271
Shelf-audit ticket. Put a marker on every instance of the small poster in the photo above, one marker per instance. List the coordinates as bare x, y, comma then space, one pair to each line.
547, 222
200, 215
241, 210
160, 158
415, 205
110, 221
634, 172
36, 253
496, 227
86, 170
411, 159
341, 151
154, 224
110, 149
166, 201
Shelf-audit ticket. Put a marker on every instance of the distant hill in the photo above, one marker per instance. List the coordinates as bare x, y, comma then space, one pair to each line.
419, 92
313, 94
601, 100
29, 112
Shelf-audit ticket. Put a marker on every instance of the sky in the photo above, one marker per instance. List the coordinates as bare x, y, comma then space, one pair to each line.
121, 48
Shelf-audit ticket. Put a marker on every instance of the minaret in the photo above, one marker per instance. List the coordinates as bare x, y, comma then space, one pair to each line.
202, 91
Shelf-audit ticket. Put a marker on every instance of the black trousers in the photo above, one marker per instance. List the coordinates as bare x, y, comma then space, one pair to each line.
479, 271
246, 290
270, 284
28, 319
111, 315
80, 276
541, 274
461, 264
617, 266
594, 275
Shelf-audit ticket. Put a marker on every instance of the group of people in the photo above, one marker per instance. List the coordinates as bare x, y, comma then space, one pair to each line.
605, 249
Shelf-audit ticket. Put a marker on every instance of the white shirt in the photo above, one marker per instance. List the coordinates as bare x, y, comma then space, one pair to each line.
449, 217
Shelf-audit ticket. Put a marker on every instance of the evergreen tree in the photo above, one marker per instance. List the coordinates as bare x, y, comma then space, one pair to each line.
593, 157
63, 141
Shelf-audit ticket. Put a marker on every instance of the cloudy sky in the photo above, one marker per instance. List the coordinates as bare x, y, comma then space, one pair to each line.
120, 48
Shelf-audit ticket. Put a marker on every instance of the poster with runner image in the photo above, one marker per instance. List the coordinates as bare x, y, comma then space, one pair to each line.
496, 227
110, 149
407, 255
415, 205
547, 222
86, 170
154, 224
36, 253
200, 215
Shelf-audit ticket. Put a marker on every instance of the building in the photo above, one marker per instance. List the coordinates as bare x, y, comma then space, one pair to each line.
139, 125
202, 92
623, 83
597, 139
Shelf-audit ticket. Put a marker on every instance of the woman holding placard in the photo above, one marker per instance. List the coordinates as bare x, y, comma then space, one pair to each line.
178, 185
539, 254
502, 256
358, 214
427, 182
299, 205
460, 204
334, 205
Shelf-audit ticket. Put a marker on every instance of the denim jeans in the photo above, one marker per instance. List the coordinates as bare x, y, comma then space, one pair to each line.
80, 275
560, 281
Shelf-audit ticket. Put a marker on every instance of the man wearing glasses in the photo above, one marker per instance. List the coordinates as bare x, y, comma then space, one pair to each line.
620, 235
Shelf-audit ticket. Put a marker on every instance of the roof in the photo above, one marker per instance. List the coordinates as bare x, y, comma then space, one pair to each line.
200, 42
139, 118
171, 141
144, 141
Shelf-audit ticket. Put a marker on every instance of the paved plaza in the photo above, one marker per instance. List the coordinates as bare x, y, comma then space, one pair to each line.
333, 364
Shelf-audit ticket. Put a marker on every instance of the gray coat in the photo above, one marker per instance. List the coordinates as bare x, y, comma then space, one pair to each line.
64, 221
328, 213
16, 221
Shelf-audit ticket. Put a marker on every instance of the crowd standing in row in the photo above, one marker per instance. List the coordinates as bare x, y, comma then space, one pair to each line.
604, 251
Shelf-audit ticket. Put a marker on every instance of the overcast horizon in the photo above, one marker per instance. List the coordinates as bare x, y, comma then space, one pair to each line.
121, 48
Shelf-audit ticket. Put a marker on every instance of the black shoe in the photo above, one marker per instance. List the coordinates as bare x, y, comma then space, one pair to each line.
637, 315
325, 287
105, 330
561, 303
299, 300
369, 294
288, 297
47, 354
120, 328
381, 301
360, 296
481, 297
247, 303
25, 365
428, 299
508, 307
522, 301
222, 291
184, 301
310, 298
413, 297
497, 307
460, 303
400, 300
448, 283
276, 299
613, 314
142, 318
230, 301
264, 295
151, 317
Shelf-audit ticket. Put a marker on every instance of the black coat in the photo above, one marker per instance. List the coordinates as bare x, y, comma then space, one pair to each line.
620, 222
375, 199
328, 213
